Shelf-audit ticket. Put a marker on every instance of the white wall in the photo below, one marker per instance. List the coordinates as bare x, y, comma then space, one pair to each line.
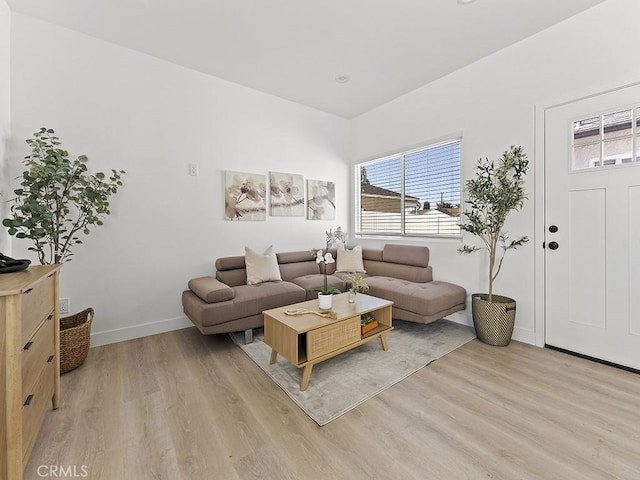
130, 111
5, 121
493, 102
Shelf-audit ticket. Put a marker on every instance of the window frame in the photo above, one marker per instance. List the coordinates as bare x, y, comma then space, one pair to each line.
402, 153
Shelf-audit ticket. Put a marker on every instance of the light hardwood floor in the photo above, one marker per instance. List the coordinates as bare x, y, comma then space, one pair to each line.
184, 406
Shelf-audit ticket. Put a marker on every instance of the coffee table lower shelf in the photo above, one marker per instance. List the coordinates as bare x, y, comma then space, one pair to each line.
308, 365
308, 339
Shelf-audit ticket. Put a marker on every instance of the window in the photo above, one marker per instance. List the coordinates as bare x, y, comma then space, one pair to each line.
605, 140
415, 193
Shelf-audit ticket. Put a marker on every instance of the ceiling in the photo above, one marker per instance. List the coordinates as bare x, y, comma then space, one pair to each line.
295, 49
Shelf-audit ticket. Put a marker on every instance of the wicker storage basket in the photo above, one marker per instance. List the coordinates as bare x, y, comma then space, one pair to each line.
75, 332
493, 321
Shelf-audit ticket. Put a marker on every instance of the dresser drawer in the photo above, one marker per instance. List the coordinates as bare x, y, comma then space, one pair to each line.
35, 404
37, 303
36, 354
332, 337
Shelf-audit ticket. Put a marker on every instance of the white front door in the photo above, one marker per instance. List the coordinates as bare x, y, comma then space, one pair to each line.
592, 226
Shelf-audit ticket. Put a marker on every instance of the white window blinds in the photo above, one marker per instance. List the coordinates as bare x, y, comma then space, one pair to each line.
414, 193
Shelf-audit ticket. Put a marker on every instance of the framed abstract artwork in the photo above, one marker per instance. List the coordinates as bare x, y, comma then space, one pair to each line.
321, 200
245, 196
286, 195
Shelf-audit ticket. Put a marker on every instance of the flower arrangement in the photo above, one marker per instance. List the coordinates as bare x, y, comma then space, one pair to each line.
358, 284
324, 256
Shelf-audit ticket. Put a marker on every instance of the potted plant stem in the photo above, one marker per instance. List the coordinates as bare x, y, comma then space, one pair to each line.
324, 257
495, 192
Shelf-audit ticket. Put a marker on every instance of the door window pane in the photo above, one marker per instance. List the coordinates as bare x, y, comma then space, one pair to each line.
586, 143
606, 140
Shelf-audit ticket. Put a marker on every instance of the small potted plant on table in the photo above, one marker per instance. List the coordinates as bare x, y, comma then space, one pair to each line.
358, 284
367, 323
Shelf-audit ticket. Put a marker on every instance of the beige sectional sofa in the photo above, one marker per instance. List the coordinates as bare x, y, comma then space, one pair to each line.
400, 273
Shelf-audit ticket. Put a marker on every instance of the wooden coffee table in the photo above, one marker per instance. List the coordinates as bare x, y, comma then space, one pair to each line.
308, 339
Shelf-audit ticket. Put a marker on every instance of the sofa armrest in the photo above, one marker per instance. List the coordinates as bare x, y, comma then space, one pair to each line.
211, 290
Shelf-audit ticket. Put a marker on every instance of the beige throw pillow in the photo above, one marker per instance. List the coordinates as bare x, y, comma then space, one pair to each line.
261, 267
350, 260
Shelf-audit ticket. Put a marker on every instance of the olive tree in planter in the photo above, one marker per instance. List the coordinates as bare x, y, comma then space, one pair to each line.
58, 199
495, 192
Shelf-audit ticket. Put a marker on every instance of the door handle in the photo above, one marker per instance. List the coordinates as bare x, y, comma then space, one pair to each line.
553, 245
553, 228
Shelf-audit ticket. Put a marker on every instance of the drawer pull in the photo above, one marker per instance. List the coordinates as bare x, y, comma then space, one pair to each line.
28, 401
50, 359
27, 290
27, 345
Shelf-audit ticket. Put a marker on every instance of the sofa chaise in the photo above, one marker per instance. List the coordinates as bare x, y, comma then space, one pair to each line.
399, 273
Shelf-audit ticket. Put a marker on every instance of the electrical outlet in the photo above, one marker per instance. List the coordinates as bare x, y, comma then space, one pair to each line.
64, 305
193, 169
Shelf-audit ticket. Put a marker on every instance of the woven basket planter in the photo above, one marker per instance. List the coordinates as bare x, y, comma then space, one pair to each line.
75, 333
494, 320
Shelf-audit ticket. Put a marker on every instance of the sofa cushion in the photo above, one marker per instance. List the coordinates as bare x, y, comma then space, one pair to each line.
295, 257
211, 290
230, 263
405, 272
372, 254
249, 300
312, 283
421, 298
350, 260
261, 267
406, 255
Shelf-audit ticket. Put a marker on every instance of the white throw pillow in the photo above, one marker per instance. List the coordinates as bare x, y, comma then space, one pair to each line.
350, 260
261, 267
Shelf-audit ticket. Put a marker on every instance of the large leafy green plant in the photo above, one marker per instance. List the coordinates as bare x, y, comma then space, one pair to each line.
58, 199
496, 191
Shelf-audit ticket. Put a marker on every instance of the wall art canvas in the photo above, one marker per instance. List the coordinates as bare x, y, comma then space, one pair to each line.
245, 196
321, 200
286, 195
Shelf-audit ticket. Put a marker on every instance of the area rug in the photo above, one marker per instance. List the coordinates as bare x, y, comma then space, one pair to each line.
343, 382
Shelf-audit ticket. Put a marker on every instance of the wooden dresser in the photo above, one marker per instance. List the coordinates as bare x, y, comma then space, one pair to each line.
29, 361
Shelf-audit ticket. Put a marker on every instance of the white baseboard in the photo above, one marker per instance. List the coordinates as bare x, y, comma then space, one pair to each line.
463, 317
524, 336
162, 326
138, 331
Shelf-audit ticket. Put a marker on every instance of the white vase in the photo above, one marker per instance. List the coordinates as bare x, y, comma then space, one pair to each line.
325, 301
